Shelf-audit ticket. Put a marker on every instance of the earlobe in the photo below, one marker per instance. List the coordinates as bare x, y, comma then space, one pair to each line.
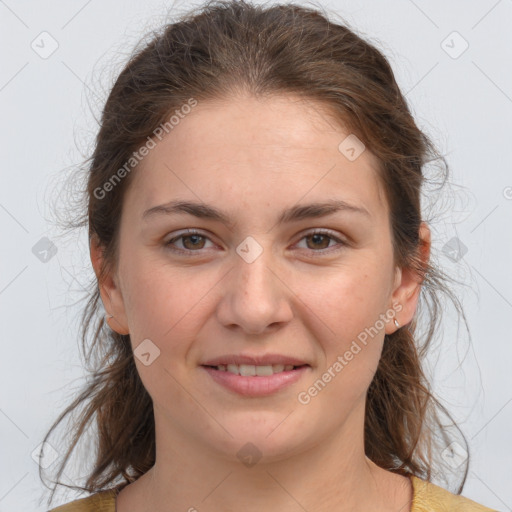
109, 291
408, 282
115, 316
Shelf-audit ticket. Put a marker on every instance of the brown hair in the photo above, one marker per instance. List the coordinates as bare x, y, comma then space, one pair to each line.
225, 48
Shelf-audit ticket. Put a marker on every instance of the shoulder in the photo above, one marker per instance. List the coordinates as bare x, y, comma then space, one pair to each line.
429, 497
104, 501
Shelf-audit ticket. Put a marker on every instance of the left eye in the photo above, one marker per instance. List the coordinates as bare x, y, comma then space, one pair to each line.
320, 238
195, 240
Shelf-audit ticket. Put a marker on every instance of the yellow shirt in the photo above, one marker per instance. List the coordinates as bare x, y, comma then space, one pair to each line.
427, 497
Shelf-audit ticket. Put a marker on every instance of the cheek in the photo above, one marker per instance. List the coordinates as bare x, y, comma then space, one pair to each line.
349, 310
169, 306
169, 315
348, 301
158, 297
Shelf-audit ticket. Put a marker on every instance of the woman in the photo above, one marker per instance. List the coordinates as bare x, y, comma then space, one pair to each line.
257, 239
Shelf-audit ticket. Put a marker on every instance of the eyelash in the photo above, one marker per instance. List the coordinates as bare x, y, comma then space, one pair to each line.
192, 232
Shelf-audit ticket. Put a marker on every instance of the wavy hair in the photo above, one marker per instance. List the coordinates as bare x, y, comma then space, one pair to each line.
214, 52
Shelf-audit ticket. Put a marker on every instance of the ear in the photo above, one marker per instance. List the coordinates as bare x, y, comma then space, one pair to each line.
407, 285
109, 290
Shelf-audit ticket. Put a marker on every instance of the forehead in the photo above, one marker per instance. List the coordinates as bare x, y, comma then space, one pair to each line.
272, 150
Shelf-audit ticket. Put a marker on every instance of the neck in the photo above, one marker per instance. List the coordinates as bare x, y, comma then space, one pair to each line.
332, 475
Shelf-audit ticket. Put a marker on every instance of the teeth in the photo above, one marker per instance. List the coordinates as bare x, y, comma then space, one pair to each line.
232, 368
247, 370
263, 371
250, 370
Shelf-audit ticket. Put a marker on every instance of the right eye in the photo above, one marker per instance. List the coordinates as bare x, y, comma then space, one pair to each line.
192, 241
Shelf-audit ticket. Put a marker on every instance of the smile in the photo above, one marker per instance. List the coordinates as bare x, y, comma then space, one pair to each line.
254, 380
249, 370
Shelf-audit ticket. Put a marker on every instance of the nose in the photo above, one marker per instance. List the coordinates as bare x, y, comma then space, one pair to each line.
255, 298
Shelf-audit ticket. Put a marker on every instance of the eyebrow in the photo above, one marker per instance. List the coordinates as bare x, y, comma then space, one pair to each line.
292, 214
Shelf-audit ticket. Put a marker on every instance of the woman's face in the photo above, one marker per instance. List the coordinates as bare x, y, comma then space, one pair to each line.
255, 281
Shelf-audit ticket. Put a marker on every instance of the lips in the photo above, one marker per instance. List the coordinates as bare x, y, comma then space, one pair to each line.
250, 370
253, 375
254, 360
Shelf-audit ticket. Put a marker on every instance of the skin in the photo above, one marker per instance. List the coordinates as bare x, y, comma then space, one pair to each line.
253, 158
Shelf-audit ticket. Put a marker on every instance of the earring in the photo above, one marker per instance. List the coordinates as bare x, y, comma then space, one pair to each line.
107, 318
396, 323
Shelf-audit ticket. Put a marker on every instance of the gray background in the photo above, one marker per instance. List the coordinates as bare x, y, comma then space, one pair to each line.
462, 99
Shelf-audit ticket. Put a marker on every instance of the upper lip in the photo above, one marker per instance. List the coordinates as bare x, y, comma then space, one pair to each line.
261, 360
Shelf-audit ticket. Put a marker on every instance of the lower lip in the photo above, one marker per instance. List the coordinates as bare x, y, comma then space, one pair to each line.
256, 386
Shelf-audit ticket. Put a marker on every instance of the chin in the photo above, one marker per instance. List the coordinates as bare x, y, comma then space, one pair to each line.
263, 436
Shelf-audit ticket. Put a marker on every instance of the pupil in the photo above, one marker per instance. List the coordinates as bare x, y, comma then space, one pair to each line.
194, 238
316, 237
